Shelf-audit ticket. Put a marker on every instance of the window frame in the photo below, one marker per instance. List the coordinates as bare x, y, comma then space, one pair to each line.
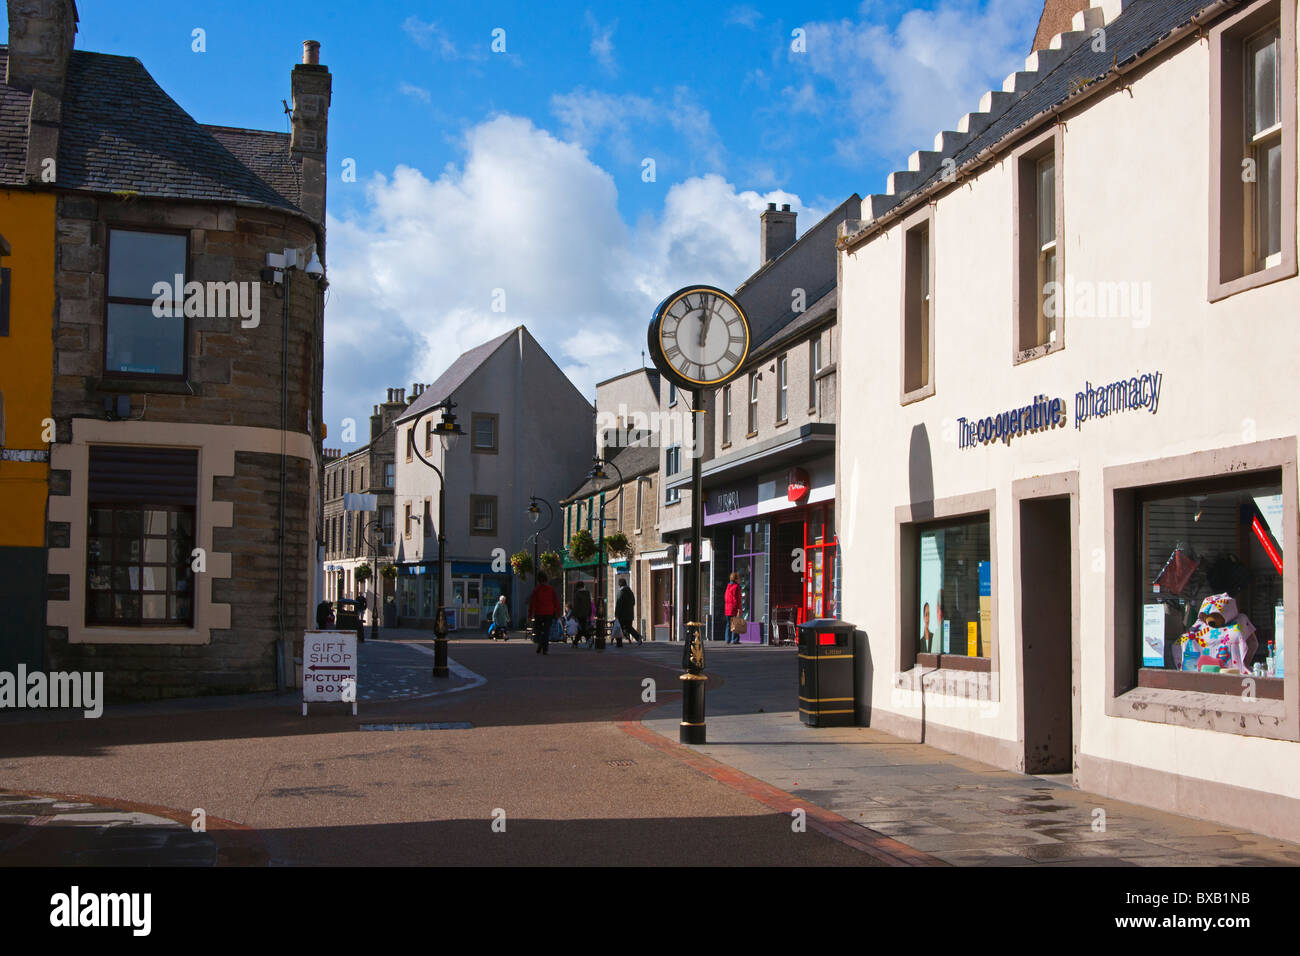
726, 415
751, 418
916, 315
115, 374
672, 455
814, 367
474, 420
474, 502
410, 442
1229, 196
390, 474
783, 388
1124, 486
1027, 250
90, 619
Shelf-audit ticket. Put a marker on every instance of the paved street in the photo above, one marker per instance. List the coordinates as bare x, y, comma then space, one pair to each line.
563, 752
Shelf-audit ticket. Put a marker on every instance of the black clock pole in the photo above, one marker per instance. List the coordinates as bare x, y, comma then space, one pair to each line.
692, 729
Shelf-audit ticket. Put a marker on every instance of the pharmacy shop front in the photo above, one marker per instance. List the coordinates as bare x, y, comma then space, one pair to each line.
1083, 579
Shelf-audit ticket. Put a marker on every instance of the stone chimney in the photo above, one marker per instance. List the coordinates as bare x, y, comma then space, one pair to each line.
41, 34
311, 103
776, 232
1056, 18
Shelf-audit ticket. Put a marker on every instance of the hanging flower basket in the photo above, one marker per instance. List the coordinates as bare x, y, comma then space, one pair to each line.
550, 561
389, 571
617, 545
582, 546
522, 563
363, 572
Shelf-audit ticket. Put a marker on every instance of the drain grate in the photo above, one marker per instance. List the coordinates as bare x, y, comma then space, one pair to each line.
441, 725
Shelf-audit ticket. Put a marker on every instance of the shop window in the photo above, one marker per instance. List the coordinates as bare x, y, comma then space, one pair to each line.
1210, 586
484, 428
952, 578
483, 514
1253, 145
140, 536
782, 389
1039, 267
137, 342
918, 312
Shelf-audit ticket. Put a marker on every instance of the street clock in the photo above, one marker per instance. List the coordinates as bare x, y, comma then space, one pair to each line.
699, 337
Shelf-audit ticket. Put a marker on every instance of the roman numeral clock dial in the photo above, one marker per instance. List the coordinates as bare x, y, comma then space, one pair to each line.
699, 337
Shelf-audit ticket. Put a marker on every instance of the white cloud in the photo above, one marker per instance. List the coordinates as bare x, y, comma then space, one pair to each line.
419, 92
430, 36
602, 43
896, 87
412, 278
626, 123
743, 15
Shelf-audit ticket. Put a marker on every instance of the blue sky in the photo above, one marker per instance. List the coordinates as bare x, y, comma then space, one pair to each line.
523, 171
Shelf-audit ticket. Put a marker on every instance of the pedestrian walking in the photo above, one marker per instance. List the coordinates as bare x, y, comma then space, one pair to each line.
582, 610
731, 606
543, 605
361, 616
625, 610
500, 629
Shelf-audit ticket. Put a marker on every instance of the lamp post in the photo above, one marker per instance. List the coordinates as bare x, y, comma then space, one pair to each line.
598, 474
535, 513
373, 534
448, 431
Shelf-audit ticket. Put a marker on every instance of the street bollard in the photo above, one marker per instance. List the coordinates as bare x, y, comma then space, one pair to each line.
692, 729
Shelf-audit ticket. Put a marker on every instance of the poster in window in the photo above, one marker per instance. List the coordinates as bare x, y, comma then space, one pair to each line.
986, 607
931, 591
1153, 635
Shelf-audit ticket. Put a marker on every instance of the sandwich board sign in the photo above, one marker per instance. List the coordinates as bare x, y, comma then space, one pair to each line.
329, 668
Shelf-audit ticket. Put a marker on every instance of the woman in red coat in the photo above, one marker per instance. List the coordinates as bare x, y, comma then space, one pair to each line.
543, 605
731, 605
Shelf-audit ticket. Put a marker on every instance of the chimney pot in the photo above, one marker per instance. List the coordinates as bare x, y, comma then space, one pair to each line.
785, 207
776, 232
311, 52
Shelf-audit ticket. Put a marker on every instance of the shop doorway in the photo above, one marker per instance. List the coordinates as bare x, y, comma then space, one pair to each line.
661, 604
1046, 633
467, 598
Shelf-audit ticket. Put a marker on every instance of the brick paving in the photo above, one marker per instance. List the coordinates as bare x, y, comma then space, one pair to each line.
951, 808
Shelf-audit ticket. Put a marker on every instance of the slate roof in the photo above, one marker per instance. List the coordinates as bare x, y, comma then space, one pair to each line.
632, 460
121, 131
456, 375
1141, 26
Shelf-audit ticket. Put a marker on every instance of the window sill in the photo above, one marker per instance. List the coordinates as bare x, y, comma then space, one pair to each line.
725, 445
1266, 688
1224, 713
751, 434
955, 662
916, 395
127, 385
1286, 269
484, 451
781, 421
1037, 352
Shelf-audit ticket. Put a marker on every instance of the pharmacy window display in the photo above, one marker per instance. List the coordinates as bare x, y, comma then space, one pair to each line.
954, 591
1211, 567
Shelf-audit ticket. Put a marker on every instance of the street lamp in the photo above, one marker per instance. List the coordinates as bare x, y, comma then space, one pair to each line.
598, 474
448, 431
534, 514
373, 532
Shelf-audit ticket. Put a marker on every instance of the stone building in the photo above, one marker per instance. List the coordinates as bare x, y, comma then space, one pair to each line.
353, 537
183, 516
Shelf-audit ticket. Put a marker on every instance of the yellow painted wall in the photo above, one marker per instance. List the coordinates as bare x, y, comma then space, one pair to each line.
26, 362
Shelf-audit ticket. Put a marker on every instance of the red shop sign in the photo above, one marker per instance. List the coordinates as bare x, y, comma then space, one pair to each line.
797, 484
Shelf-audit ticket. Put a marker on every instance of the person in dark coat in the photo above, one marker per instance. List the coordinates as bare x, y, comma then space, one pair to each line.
543, 605
625, 610
582, 609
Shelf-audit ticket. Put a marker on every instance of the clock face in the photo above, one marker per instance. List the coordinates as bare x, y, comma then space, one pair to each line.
702, 335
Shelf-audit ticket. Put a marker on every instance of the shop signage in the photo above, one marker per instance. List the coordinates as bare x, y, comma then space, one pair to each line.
727, 501
1043, 413
797, 484
329, 668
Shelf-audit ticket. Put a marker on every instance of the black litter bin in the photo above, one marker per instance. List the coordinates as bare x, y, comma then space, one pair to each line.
826, 697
